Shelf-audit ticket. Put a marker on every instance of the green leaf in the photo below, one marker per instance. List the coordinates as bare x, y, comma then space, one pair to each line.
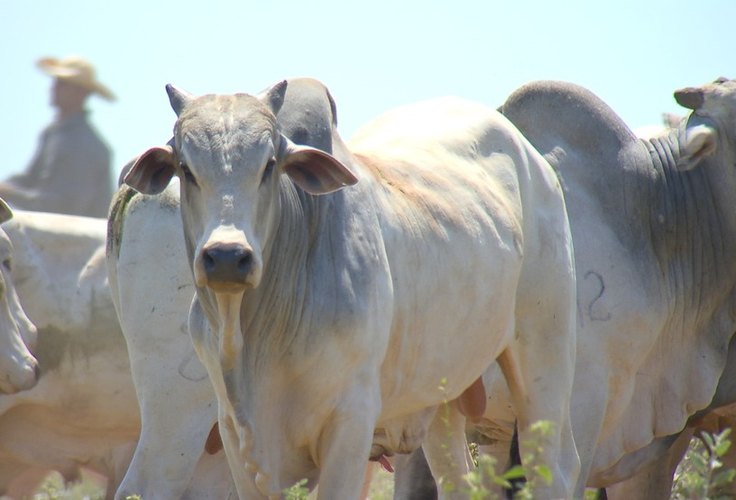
501, 482
515, 472
722, 446
545, 473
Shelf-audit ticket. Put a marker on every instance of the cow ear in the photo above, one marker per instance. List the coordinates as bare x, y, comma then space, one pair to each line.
690, 97
700, 142
5, 212
315, 171
273, 97
152, 171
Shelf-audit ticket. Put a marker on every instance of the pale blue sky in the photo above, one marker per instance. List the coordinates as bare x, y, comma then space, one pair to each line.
372, 55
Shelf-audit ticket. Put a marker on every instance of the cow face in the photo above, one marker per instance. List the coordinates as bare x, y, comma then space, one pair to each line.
18, 367
229, 154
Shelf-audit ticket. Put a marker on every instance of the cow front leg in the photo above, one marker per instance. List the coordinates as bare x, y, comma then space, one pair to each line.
345, 444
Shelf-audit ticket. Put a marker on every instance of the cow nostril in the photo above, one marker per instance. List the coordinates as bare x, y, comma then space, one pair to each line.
245, 262
208, 261
37, 371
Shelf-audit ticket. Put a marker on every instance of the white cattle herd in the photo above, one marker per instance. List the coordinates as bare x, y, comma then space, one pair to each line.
267, 303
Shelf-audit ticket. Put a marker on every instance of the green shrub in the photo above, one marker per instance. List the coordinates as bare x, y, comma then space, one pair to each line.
297, 491
701, 473
480, 483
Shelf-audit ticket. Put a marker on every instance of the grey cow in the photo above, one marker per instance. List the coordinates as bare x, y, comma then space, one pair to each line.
654, 231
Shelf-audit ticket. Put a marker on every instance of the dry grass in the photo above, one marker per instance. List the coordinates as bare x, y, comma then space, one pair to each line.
91, 487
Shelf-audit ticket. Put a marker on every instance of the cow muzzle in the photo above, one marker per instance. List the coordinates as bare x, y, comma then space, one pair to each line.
228, 267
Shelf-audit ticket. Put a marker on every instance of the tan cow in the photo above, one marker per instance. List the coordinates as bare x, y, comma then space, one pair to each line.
83, 413
18, 367
83, 410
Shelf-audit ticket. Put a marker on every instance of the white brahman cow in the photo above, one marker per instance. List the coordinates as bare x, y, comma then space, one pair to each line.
353, 294
178, 404
152, 290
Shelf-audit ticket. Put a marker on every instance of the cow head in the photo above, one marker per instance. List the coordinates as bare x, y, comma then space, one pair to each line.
18, 368
714, 109
229, 154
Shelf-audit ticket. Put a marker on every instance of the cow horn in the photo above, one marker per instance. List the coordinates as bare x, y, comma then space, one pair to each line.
178, 98
274, 96
5, 212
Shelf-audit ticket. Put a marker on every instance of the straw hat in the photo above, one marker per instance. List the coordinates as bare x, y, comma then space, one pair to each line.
77, 71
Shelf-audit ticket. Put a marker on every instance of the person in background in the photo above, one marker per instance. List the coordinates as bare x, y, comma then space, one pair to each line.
71, 170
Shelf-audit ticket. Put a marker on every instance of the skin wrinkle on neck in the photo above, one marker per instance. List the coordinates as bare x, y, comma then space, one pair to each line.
280, 253
676, 236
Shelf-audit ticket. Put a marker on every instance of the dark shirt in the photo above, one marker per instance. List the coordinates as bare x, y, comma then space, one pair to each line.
70, 172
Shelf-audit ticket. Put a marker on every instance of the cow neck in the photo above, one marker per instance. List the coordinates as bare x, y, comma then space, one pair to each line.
274, 313
275, 318
692, 222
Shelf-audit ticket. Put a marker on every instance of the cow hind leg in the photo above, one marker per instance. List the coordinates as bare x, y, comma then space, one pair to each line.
413, 479
446, 451
540, 383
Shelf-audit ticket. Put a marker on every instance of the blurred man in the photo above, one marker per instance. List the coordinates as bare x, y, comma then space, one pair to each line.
70, 172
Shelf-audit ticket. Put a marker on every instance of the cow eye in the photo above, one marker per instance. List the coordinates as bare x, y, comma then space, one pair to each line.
268, 170
188, 176
8, 264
